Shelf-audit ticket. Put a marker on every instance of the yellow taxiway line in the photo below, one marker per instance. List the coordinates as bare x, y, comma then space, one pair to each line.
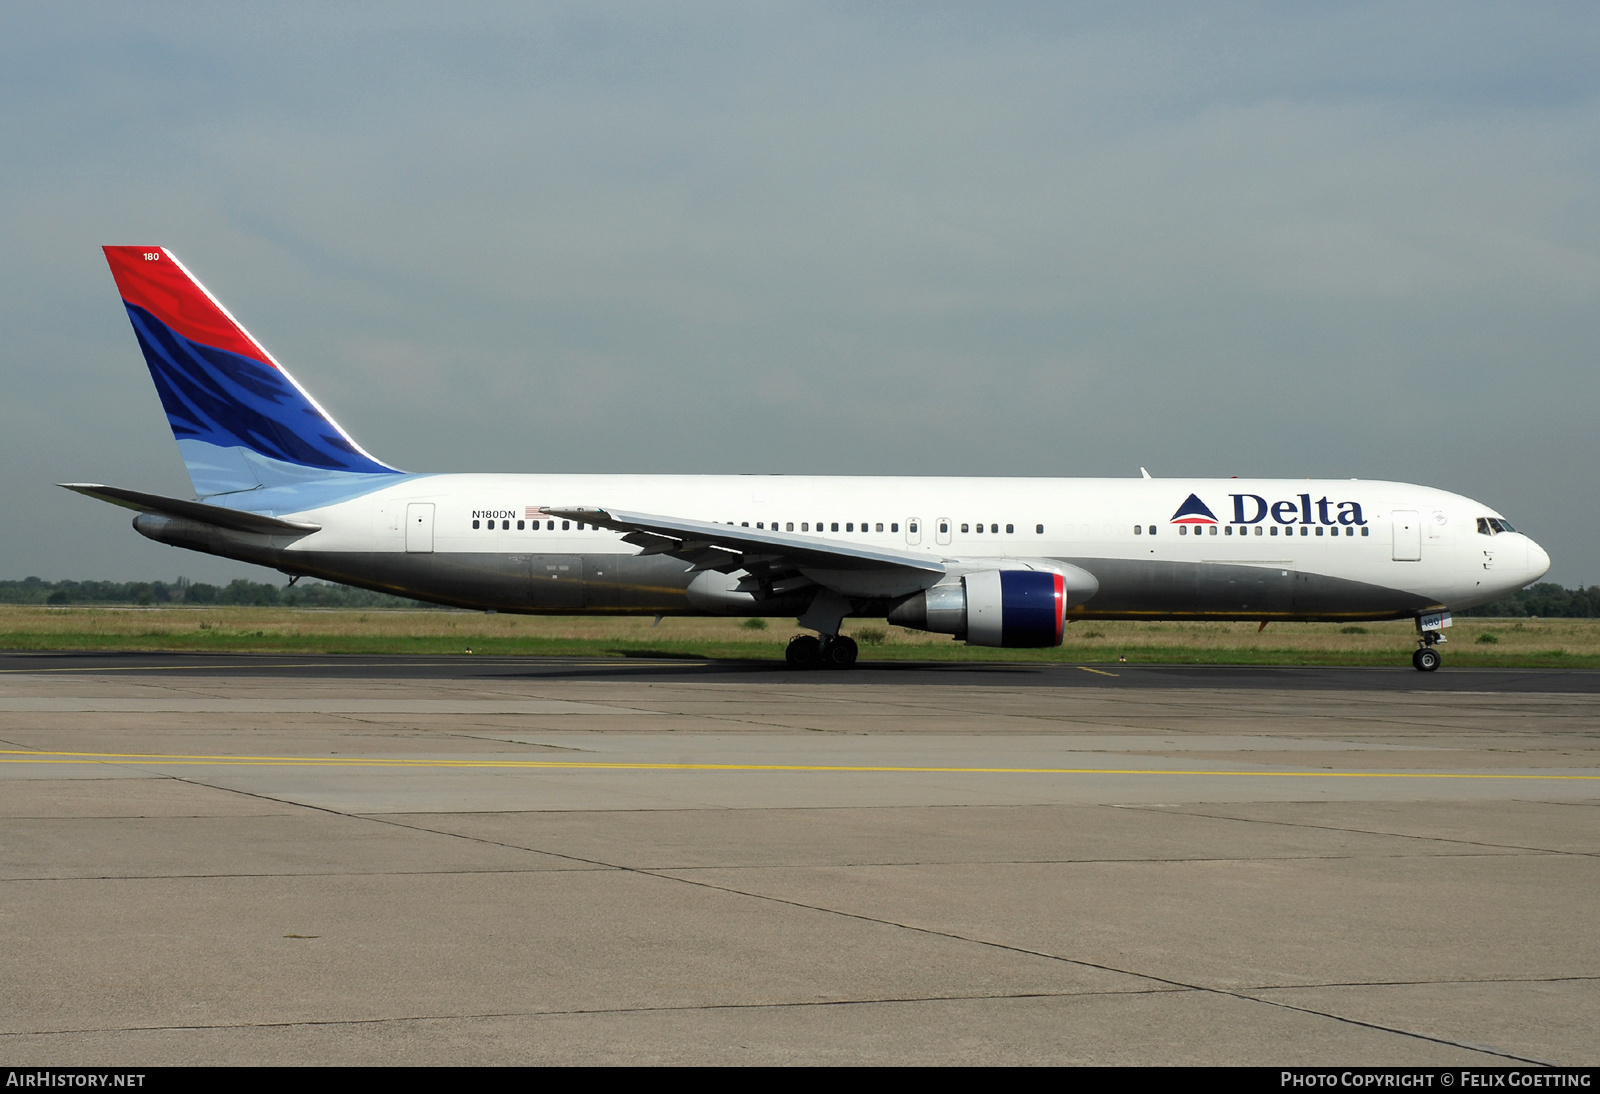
18, 756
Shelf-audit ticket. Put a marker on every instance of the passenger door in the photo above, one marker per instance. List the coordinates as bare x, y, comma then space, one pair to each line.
1407, 535
419, 528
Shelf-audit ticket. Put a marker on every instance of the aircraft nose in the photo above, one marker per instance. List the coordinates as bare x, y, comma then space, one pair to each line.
1538, 561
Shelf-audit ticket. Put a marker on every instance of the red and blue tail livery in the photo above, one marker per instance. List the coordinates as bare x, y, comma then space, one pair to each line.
241, 421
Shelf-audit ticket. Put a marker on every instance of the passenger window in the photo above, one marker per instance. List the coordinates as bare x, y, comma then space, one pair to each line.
1138, 529
1213, 529
1228, 531
520, 525
995, 528
789, 527
963, 527
566, 525
1365, 531
1319, 529
1038, 529
895, 527
944, 529
744, 524
805, 526
505, 526
1152, 529
879, 528
980, 529
1274, 529
474, 524
835, 526
1010, 530
849, 527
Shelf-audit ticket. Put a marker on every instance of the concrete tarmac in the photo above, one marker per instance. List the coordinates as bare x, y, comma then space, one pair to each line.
436, 861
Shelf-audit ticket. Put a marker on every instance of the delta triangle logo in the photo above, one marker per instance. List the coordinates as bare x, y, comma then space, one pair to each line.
1193, 511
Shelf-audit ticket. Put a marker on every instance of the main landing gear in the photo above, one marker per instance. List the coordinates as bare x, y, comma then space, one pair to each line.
810, 652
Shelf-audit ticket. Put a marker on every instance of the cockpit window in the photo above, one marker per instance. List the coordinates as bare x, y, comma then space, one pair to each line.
1489, 526
1505, 525
1483, 527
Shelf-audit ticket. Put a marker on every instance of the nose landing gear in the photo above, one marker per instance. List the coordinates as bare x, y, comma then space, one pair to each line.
1426, 658
1430, 629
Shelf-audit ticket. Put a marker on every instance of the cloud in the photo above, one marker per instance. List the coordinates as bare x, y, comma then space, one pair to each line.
1355, 241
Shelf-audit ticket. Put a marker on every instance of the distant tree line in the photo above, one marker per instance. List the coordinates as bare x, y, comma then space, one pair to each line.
1547, 600
240, 592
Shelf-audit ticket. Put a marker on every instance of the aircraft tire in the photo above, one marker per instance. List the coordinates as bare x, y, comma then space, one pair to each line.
1426, 659
804, 652
842, 652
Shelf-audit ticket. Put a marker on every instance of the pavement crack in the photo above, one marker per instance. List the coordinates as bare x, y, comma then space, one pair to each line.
1168, 983
779, 1004
1442, 981
1355, 831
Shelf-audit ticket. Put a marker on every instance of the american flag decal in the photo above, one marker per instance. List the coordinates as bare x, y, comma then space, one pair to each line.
533, 512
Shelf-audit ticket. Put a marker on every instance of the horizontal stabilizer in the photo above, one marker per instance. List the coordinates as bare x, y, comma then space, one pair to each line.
233, 519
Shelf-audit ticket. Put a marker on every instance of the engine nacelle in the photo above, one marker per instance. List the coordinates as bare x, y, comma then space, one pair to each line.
1013, 608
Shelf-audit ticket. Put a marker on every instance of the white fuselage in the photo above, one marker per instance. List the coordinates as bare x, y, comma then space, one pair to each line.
1421, 543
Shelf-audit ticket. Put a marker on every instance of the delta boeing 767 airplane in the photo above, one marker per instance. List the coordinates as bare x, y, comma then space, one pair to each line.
993, 562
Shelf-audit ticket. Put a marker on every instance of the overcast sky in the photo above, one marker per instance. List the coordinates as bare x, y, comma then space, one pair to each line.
1325, 240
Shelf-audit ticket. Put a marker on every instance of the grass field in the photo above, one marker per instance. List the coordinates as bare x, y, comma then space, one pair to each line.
1480, 642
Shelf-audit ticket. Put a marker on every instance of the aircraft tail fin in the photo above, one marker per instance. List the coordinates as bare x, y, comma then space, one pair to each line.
240, 420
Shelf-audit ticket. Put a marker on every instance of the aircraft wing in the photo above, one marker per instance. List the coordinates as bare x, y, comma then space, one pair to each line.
770, 556
235, 519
